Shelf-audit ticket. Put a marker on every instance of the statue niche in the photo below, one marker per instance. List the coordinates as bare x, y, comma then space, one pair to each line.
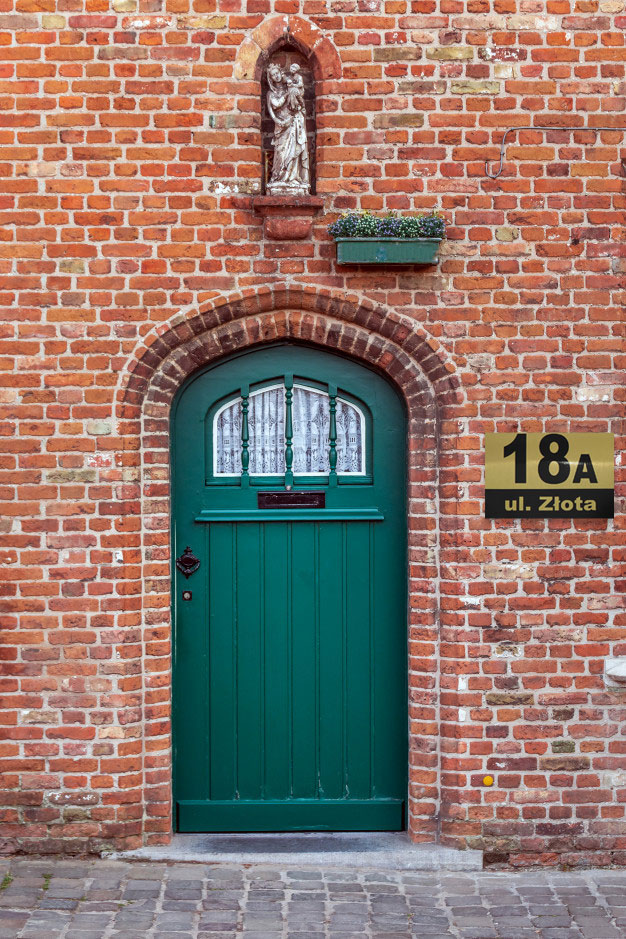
288, 125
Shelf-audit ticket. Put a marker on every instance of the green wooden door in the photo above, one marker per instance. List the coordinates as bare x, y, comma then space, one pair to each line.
290, 650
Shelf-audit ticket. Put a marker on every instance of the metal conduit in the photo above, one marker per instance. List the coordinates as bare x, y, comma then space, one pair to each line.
510, 130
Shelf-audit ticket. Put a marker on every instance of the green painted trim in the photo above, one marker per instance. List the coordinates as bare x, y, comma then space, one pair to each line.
290, 515
295, 815
278, 482
387, 250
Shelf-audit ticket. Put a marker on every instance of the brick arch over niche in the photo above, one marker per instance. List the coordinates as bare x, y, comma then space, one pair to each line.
274, 31
394, 345
287, 39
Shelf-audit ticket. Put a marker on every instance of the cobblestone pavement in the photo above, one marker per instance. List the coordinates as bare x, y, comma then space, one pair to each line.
98, 899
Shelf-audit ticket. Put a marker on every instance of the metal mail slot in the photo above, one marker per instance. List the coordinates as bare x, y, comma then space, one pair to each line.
288, 499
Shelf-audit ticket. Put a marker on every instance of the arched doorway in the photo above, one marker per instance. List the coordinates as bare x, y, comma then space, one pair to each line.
290, 638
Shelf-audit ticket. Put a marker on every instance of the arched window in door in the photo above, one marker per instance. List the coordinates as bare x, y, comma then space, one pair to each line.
320, 427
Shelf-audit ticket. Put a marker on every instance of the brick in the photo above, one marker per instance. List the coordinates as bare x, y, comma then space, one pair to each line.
450, 53
131, 256
475, 88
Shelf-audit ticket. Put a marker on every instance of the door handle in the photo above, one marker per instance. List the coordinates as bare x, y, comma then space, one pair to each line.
187, 563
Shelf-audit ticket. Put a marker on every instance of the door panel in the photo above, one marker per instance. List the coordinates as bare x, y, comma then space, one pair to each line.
290, 700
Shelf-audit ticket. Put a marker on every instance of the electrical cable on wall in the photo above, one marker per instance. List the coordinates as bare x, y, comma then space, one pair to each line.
510, 130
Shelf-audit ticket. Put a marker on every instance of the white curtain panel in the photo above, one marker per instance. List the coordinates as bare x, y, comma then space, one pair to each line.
227, 456
267, 432
311, 430
311, 427
350, 439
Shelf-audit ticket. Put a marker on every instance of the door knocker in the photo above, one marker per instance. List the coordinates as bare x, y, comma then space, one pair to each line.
187, 563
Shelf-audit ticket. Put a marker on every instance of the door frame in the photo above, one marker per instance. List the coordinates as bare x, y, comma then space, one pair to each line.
427, 378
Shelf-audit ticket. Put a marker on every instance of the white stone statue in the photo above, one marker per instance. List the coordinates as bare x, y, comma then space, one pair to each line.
285, 103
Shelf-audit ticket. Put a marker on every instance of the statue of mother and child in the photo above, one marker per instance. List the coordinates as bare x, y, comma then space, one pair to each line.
285, 103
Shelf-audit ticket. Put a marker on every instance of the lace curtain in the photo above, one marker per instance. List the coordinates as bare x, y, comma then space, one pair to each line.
350, 442
266, 416
311, 426
311, 431
227, 440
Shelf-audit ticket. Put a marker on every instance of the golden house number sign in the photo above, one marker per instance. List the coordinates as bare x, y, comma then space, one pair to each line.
549, 475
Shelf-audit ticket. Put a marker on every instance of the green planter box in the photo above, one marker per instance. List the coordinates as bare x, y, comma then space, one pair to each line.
387, 250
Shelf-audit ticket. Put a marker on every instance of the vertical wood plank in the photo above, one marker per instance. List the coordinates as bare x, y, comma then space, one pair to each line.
277, 602
222, 671
250, 630
388, 665
359, 688
331, 653
304, 594
191, 667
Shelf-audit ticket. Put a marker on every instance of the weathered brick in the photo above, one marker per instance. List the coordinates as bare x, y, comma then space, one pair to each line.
131, 256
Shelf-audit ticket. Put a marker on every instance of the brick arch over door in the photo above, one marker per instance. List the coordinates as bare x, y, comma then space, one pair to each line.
394, 345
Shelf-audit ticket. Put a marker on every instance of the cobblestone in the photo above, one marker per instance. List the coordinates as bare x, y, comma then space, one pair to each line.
100, 899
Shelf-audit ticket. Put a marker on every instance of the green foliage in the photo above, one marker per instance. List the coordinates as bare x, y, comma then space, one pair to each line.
7, 880
366, 225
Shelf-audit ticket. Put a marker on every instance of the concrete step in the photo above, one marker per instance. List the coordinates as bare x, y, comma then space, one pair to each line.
363, 849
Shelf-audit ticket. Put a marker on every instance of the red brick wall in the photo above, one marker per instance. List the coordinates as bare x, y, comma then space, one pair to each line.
130, 255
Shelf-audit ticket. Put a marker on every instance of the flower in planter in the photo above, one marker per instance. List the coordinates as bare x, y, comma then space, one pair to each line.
366, 225
345, 226
431, 226
411, 227
390, 227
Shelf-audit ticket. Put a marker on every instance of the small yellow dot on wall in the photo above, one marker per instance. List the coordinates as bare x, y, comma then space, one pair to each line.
487, 780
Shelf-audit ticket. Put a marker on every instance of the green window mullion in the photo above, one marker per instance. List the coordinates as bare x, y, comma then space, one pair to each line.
245, 436
332, 436
288, 431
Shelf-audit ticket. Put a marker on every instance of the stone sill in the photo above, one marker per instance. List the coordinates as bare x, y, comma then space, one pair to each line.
287, 218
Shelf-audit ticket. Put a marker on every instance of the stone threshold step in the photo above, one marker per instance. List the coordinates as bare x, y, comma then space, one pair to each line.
379, 850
